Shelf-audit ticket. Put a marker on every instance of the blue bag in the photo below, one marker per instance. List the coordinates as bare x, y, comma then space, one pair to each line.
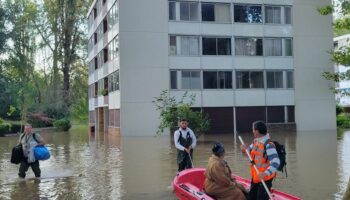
41, 153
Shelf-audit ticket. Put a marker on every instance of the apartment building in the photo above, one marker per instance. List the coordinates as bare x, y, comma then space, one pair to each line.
245, 60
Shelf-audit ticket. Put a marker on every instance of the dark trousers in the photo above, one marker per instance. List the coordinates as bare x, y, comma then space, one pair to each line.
258, 192
184, 162
23, 168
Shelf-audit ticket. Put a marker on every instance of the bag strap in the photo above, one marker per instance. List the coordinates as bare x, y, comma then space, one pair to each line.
178, 139
35, 138
21, 137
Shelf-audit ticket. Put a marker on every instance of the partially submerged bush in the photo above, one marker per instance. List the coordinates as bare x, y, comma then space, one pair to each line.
39, 120
62, 124
4, 128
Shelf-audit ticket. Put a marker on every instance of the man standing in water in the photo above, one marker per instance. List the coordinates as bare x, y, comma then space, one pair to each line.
185, 142
28, 139
265, 157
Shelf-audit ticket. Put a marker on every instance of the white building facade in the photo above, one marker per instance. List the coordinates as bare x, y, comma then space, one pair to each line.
344, 86
245, 60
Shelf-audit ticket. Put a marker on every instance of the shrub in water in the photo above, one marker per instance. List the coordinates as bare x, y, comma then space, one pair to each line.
4, 128
39, 120
62, 124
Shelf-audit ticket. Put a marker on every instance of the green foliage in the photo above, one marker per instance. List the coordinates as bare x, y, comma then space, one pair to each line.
62, 124
326, 10
4, 128
343, 121
11, 110
339, 109
171, 111
79, 110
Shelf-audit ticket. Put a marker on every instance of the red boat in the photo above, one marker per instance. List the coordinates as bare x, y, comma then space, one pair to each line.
188, 185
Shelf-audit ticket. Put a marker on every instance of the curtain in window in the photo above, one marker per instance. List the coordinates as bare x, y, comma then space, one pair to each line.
222, 13
195, 80
273, 15
185, 46
240, 46
194, 46
288, 15
273, 47
184, 11
194, 11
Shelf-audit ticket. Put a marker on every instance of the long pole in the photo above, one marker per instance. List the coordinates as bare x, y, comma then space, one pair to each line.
189, 155
256, 169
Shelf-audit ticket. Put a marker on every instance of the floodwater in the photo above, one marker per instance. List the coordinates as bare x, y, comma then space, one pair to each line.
101, 166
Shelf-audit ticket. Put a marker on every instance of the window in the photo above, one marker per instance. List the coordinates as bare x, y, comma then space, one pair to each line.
96, 62
216, 46
248, 47
172, 45
273, 47
113, 81
172, 10
95, 13
189, 45
288, 15
96, 89
274, 79
113, 48
288, 47
216, 12
273, 14
105, 55
173, 79
290, 79
249, 79
184, 45
105, 25
189, 11
247, 13
216, 80
190, 80
113, 15
95, 38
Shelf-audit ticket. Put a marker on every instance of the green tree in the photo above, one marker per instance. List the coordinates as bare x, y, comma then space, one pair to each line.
172, 110
340, 56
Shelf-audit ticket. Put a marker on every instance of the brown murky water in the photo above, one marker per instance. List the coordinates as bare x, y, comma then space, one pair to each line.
99, 167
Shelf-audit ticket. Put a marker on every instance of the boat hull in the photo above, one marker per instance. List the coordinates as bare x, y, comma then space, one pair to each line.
188, 185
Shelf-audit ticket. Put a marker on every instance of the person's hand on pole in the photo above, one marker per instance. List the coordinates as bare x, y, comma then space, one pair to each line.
262, 175
243, 148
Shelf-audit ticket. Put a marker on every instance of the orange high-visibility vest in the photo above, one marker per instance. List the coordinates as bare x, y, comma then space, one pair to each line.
262, 163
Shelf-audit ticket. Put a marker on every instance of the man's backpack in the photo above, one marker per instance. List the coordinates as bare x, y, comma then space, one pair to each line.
281, 151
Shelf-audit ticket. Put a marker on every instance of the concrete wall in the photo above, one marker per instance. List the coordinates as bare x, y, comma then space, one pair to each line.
314, 102
144, 71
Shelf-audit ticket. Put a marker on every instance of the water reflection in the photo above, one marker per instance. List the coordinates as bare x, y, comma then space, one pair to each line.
102, 166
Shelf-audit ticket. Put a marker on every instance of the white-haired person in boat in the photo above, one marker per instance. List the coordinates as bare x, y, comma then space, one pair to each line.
218, 182
265, 157
185, 141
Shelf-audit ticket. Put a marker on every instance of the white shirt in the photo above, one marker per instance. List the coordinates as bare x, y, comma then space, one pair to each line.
184, 134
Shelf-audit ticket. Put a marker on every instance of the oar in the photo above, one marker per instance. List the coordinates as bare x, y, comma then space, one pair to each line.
189, 155
256, 169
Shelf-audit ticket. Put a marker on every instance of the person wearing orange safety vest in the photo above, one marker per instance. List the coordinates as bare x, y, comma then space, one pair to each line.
265, 157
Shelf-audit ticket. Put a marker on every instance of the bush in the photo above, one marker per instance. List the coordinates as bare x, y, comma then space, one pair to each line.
343, 121
171, 110
16, 128
62, 124
39, 120
4, 128
339, 109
